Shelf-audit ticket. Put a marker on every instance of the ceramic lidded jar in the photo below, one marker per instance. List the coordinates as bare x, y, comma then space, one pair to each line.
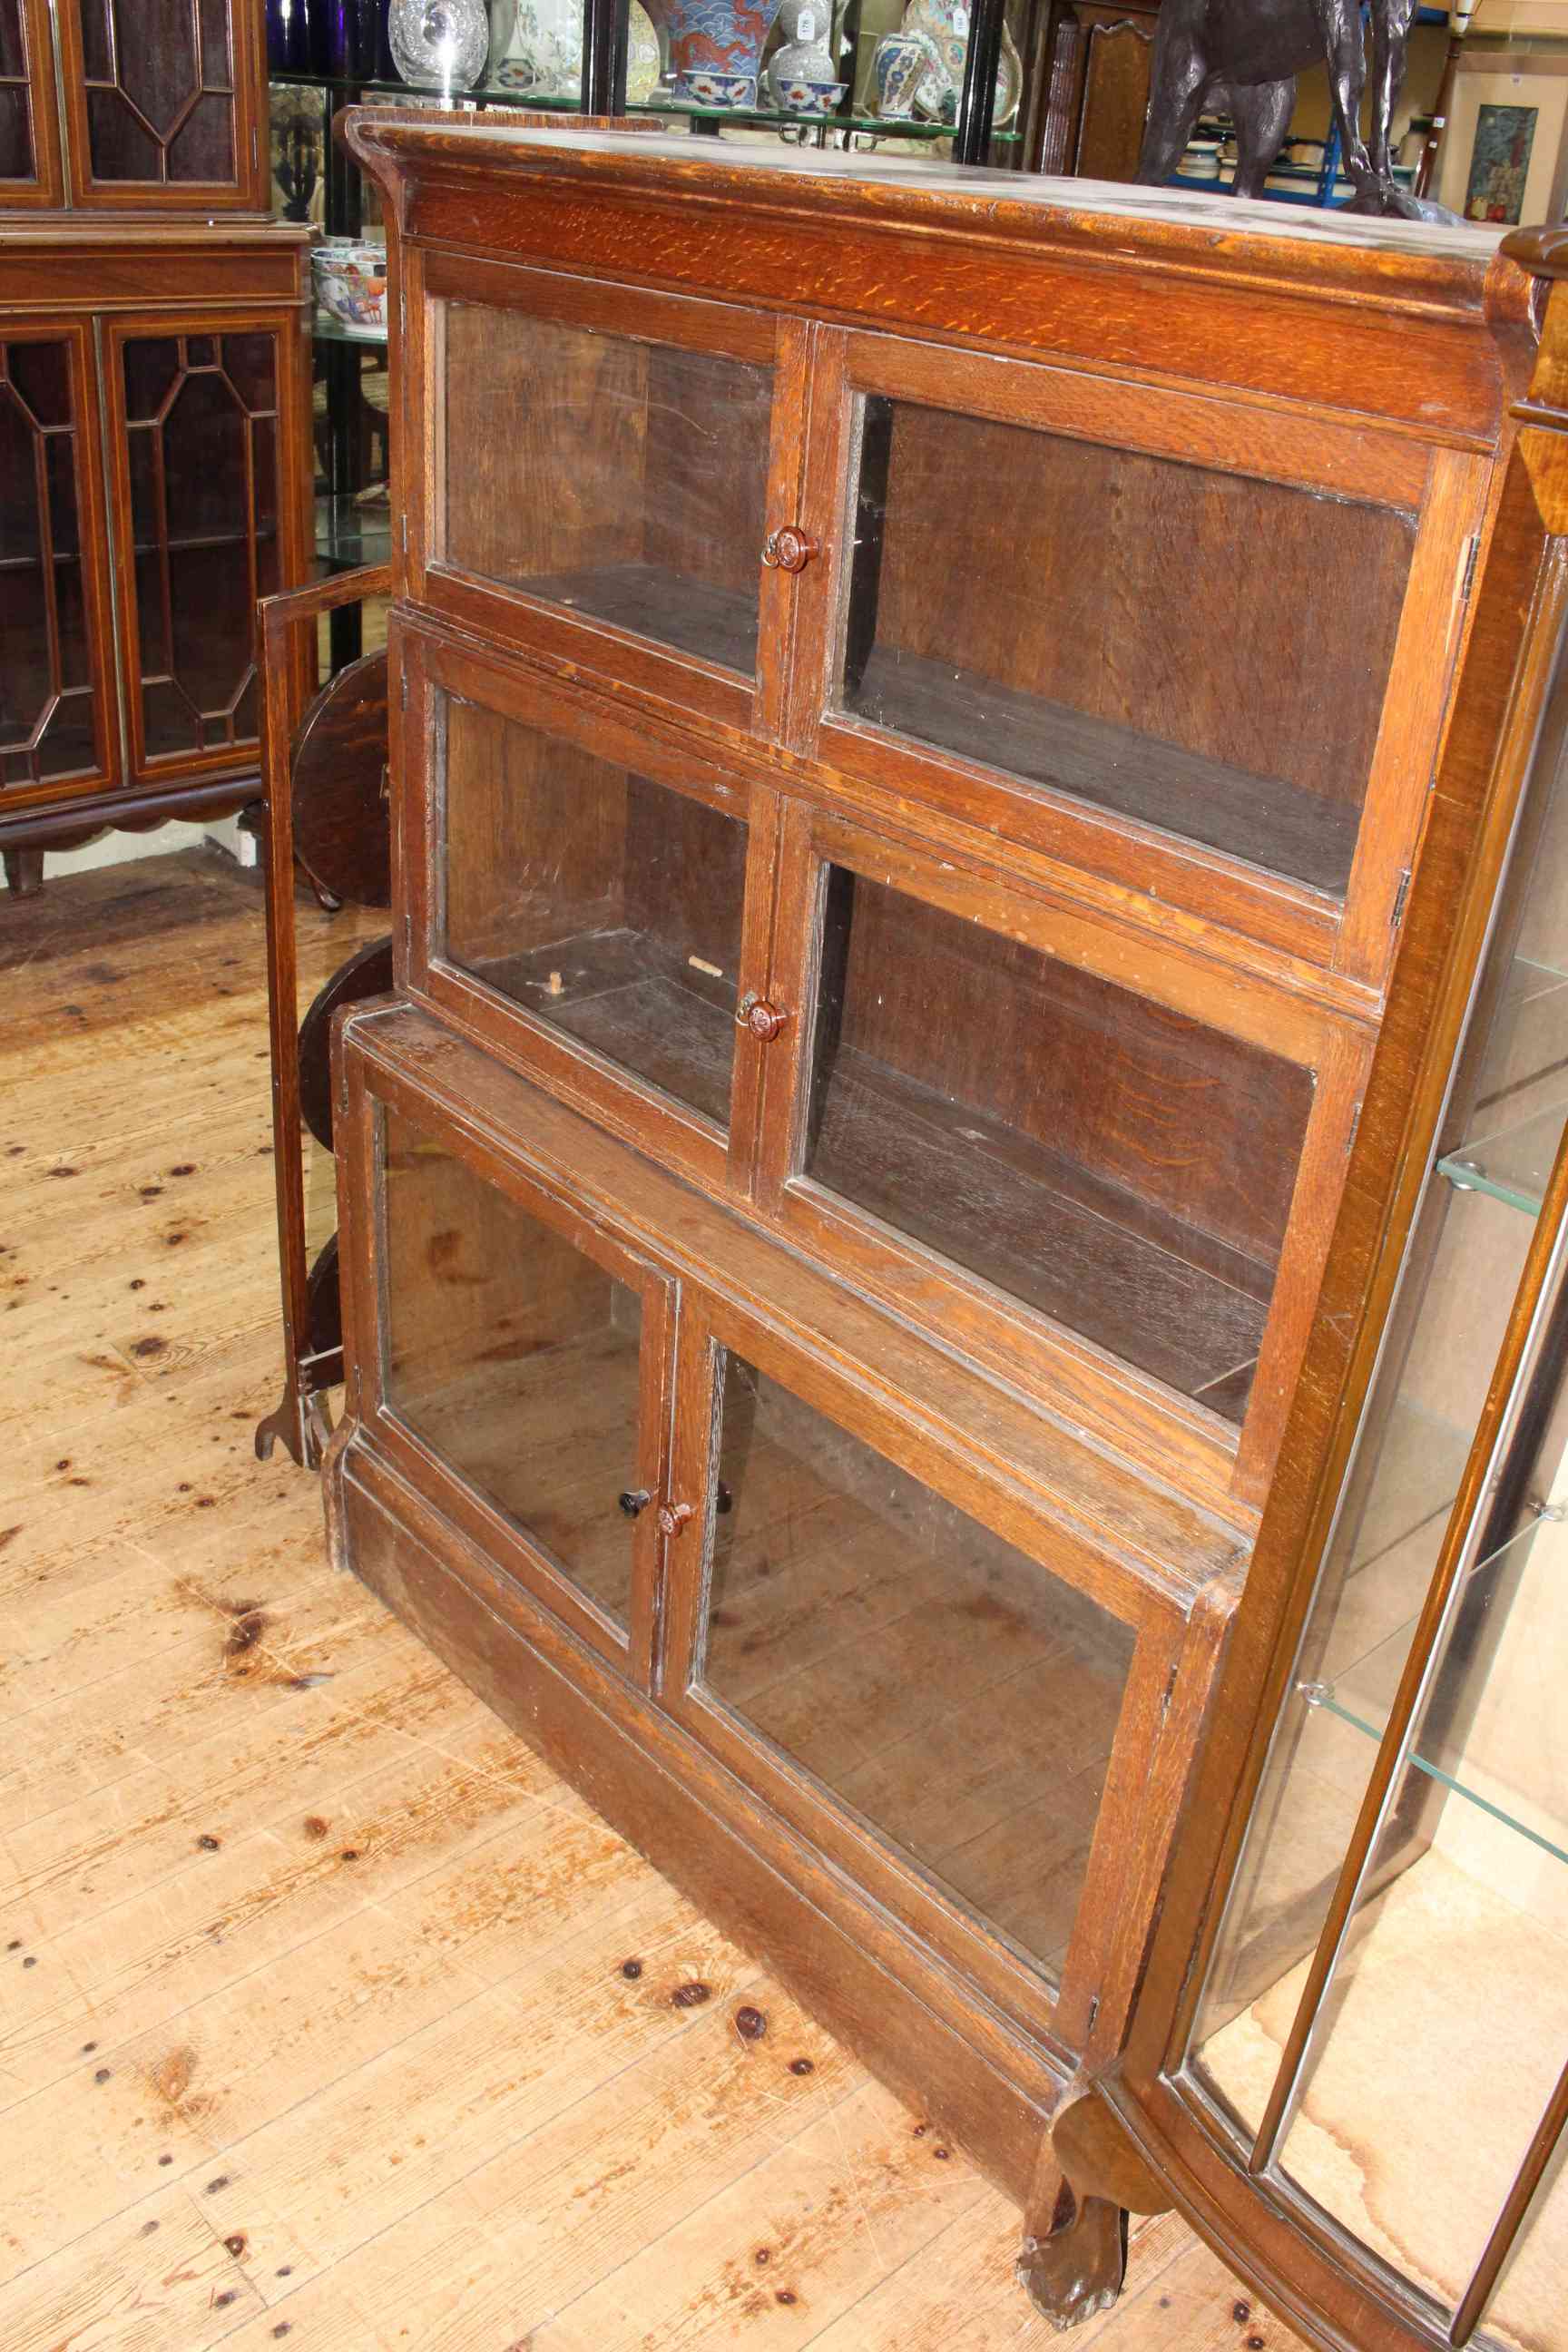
716, 48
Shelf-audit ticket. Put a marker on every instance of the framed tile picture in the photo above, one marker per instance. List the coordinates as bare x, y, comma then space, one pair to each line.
1500, 163
1505, 151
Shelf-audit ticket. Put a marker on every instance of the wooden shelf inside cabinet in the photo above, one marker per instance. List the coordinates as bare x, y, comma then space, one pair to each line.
1265, 821
951, 771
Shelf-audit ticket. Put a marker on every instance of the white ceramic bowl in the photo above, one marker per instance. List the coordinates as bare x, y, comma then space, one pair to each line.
351, 284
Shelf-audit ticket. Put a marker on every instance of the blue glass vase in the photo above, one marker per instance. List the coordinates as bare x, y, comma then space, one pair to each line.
353, 35
291, 47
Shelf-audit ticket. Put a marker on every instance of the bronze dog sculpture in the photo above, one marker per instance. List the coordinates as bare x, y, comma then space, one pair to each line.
1243, 56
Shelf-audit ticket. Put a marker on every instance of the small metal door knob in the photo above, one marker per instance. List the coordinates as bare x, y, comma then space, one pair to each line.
789, 549
672, 1518
763, 1019
636, 1501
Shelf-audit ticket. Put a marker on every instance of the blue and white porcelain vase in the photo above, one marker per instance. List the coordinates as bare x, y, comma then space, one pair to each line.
801, 77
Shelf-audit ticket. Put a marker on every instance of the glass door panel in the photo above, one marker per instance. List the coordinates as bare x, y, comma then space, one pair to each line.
1116, 1165
1385, 2018
607, 905
517, 1360
53, 714
20, 162
201, 459
946, 1689
160, 101
622, 480
1154, 638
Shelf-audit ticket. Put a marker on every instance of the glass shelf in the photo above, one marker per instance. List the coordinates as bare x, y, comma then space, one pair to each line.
876, 126
351, 533
328, 329
1511, 1164
1482, 1764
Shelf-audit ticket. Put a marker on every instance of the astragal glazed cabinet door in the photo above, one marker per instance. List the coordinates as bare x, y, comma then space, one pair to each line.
197, 411
169, 118
58, 725
30, 169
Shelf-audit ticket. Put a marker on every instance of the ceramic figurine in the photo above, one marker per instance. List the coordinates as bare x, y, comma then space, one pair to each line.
716, 48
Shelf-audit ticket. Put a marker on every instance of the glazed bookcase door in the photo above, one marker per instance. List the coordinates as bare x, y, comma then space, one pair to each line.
905, 1667
1041, 605
948, 1119
590, 903
522, 1381
606, 468
58, 725
197, 409
168, 119
1403, 1890
29, 123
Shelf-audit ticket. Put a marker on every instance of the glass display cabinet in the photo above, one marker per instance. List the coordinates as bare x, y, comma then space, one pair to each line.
910, 1039
152, 421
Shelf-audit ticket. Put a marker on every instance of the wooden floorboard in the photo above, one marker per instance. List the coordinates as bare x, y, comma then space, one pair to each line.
316, 2026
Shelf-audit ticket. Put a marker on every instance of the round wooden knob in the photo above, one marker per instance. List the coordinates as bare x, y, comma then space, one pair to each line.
763, 1019
789, 549
672, 1518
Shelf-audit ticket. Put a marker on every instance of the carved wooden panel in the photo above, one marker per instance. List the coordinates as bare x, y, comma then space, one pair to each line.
1098, 91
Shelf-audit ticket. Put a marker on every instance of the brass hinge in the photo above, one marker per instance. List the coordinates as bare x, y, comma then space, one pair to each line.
1400, 896
1472, 557
1354, 1131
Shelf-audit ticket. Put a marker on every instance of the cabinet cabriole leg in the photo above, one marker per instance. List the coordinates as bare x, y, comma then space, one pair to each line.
1077, 2267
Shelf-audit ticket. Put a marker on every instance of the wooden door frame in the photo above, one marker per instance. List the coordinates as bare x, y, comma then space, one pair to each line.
615, 658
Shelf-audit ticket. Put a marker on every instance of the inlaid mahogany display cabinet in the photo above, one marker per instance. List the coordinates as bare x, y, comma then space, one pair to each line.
954, 746
156, 472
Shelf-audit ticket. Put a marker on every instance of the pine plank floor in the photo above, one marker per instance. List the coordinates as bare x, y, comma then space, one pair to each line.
315, 2024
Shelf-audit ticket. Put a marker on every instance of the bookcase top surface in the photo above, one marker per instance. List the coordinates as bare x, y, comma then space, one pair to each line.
768, 174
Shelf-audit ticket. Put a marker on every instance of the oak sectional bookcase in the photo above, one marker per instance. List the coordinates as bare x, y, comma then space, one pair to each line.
953, 737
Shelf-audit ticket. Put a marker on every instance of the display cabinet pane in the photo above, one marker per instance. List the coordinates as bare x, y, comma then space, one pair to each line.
160, 107
956, 1694
515, 1358
607, 905
1157, 639
202, 456
46, 690
1475, 1928
978, 1095
623, 480
19, 158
